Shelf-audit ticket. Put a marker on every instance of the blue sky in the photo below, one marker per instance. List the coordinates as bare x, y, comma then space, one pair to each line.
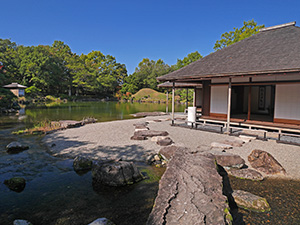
133, 30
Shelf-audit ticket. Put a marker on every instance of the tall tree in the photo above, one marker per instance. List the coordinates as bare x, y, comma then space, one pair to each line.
248, 29
64, 58
8, 57
192, 57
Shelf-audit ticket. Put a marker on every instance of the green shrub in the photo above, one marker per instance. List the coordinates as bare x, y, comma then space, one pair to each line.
7, 98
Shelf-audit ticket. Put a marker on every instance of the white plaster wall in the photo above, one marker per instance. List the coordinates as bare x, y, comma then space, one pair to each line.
218, 100
287, 101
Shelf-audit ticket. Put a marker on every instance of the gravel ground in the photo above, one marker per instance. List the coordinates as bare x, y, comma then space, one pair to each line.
112, 140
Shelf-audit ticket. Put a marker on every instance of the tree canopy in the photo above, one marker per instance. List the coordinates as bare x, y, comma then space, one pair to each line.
248, 29
192, 57
56, 70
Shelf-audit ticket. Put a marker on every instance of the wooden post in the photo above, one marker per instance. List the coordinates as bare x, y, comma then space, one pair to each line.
167, 102
194, 98
249, 100
187, 98
173, 102
228, 106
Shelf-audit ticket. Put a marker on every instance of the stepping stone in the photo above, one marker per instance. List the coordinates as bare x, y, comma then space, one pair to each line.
151, 133
246, 139
234, 143
250, 201
140, 129
248, 174
220, 145
156, 138
139, 138
165, 142
229, 160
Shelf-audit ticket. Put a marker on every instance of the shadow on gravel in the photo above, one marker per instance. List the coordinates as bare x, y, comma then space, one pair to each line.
127, 152
66, 147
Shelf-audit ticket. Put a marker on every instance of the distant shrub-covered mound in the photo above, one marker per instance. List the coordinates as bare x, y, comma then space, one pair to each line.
148, 94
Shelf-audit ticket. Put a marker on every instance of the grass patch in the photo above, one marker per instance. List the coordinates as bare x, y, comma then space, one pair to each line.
40, 128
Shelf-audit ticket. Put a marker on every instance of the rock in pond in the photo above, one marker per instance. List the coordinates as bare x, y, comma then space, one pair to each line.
248, 174
250, 201
15, 147
81, 163
265, 162
164, 142
21, 222
101, 221
190, 191
228, 160
115, 173
70, 123
16, 184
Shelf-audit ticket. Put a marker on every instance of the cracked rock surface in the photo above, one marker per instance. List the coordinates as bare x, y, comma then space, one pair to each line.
190, 191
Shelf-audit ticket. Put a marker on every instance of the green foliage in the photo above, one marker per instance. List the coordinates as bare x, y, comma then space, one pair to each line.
248, 29
6, 98
192, 57
145, 75
55, 70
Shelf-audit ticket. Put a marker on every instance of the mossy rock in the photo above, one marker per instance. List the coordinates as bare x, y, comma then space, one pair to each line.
16, 184
250, 201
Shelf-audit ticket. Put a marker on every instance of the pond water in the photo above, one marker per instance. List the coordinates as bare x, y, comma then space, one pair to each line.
54, 193
283, 196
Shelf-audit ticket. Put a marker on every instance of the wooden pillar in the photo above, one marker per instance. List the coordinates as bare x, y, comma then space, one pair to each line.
249, 100
206, 98
187, 99
229, 106
167, 102
173, 102
194, 98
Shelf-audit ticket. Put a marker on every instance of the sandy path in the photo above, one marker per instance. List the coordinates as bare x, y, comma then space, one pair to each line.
112, 140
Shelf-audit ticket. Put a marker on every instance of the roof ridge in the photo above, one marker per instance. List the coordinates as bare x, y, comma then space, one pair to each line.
278, 26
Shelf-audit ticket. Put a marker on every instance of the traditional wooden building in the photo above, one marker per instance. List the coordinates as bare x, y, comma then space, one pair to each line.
17, 89
252, 82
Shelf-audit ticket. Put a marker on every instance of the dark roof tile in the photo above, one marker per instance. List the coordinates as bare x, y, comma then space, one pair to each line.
269, 51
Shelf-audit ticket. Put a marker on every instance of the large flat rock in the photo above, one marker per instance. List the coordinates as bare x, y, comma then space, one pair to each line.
190, 191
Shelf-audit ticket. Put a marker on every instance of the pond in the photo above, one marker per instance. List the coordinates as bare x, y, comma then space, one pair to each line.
283, 196
54, 193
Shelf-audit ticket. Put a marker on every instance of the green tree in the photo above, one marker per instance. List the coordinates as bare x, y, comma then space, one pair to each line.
192, 57
248, 29
99, 74
65, 60
8, 57
145, 75
40, 70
